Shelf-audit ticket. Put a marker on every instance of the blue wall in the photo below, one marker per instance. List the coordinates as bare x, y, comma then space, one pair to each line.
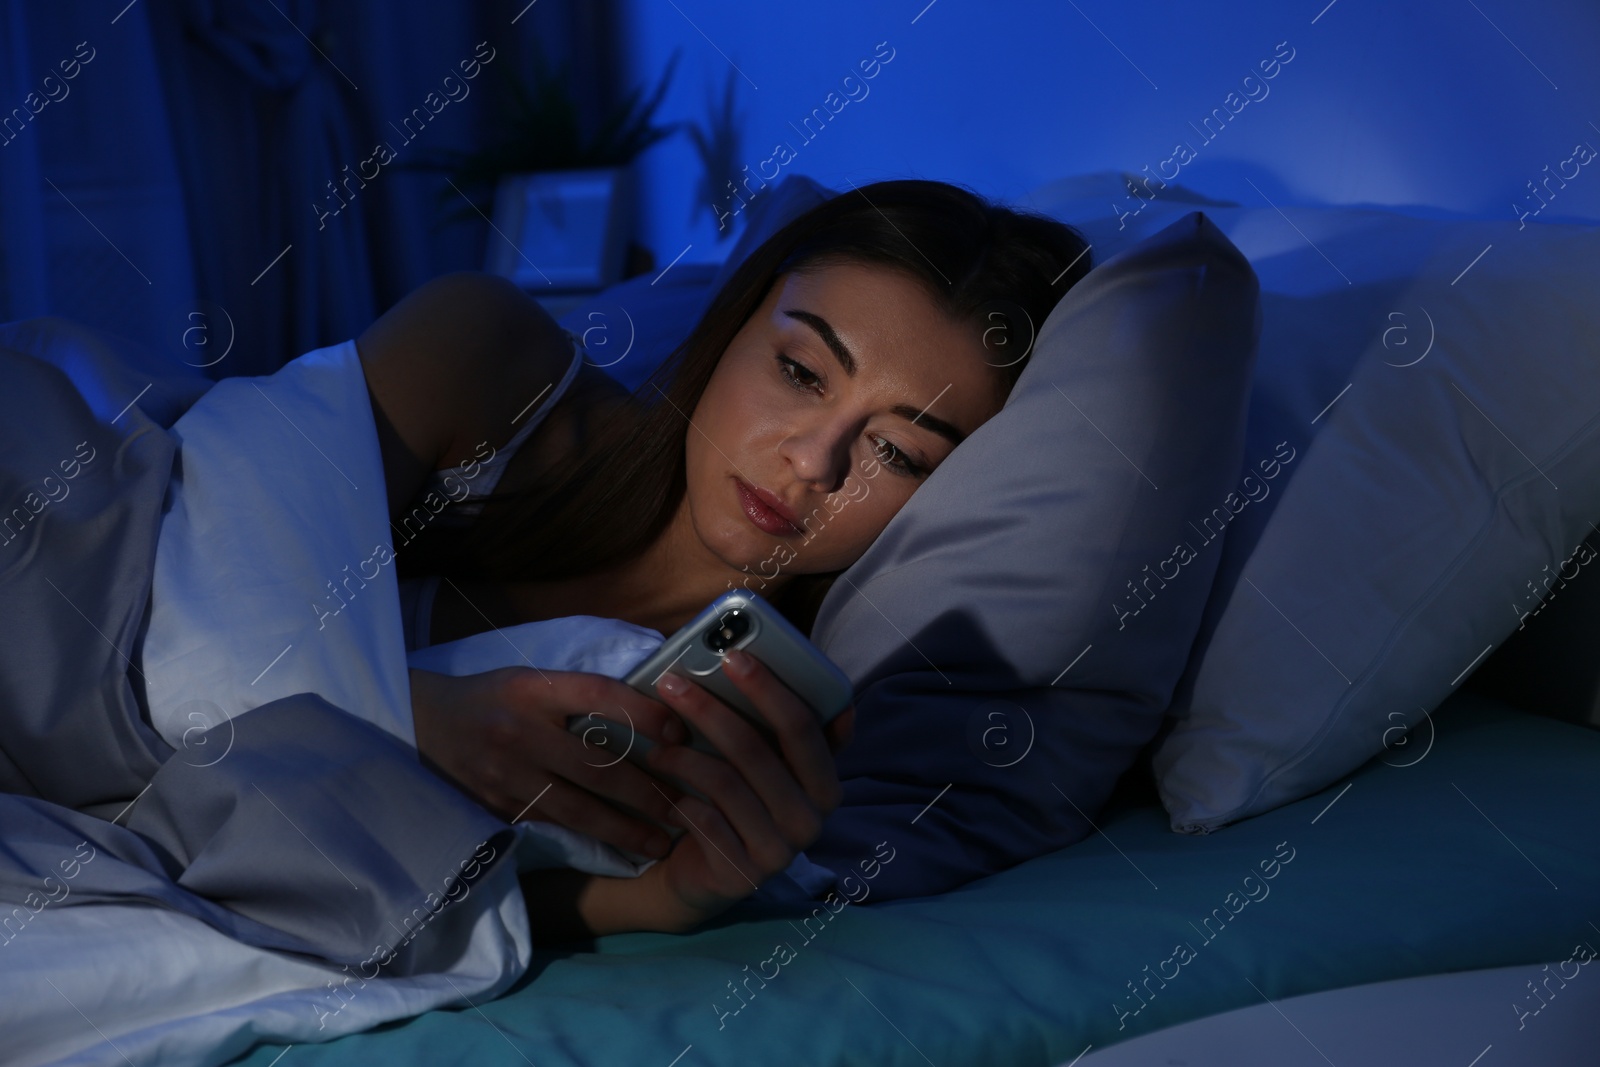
180, 166
1424, 103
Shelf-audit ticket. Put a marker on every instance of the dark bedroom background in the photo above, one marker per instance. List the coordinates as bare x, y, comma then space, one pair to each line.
203, 133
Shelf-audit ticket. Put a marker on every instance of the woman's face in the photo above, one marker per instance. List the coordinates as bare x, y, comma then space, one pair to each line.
843, 391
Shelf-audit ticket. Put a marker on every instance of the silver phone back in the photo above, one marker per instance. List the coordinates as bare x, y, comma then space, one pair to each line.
771, 638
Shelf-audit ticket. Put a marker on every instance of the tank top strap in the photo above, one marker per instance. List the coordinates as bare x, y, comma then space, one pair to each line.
489, 471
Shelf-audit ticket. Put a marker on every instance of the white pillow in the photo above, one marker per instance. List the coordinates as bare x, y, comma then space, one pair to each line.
1435, 381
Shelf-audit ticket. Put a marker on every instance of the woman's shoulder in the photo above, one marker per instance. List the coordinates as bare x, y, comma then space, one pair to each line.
594, 408
452, 365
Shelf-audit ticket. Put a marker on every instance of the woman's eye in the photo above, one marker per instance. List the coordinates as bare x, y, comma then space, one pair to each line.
803, 379
892, 457
796, 374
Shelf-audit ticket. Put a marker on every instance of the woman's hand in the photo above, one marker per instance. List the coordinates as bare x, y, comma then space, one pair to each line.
766, 804
502, 737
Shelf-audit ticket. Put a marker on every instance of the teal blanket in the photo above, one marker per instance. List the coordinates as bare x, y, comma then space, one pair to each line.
1479, 850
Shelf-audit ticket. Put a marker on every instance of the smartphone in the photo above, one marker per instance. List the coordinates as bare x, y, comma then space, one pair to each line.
736, 620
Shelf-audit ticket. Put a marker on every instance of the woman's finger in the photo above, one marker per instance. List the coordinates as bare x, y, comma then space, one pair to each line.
737, 874
529, 752
501, 737
608, 770
562, 802
530, 749
564, 694
741, 744
759, 765
795, 724
841, 728
729, 788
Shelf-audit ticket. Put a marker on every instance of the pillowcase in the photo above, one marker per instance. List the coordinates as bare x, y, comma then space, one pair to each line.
1011, 641
1421, 387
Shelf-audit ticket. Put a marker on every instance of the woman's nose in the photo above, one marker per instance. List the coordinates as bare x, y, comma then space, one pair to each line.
820, 453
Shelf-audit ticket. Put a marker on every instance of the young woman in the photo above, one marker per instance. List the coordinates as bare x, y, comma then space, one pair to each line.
841, 364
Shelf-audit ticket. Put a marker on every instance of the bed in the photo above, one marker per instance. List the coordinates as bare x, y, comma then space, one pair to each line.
1434, 904
1398, 877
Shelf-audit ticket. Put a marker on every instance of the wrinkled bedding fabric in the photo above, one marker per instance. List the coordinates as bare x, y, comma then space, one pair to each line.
295, 826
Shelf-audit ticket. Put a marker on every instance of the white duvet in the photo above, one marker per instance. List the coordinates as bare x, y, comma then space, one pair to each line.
274, 576
279, 490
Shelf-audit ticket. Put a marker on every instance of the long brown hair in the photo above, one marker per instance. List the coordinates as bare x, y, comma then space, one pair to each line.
1000, 269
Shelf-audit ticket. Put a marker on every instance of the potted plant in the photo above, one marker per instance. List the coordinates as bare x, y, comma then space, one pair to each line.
562, 210
717, 141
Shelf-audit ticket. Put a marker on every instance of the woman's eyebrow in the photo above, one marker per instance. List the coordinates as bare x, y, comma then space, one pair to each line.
931, 422
847, 360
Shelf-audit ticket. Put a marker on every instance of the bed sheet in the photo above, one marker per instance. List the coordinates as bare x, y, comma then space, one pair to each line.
1484, 852
1427, 1019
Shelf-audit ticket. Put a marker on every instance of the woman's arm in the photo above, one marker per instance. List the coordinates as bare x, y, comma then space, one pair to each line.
458, 362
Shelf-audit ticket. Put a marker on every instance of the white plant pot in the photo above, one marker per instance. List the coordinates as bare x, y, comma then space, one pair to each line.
561, 230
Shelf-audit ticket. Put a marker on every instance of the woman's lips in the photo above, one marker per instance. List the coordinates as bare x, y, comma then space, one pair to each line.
766, 518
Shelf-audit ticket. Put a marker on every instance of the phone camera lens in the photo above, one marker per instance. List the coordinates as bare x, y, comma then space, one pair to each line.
726, 633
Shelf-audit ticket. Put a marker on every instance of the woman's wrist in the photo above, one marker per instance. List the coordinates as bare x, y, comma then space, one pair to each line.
566, 905
426, 694
552, 898
624, 905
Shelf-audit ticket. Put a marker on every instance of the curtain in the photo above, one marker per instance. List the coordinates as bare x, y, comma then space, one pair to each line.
212, 182
89, 195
